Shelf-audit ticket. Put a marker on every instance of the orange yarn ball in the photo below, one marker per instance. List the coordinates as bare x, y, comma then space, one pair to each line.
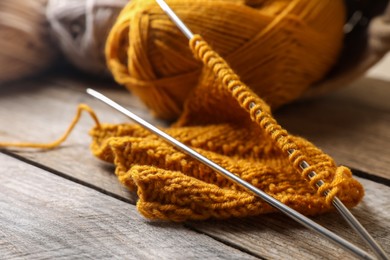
279, 48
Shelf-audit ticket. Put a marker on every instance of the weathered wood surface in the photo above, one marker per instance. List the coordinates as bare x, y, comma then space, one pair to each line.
276, 236
43, 216
45, 108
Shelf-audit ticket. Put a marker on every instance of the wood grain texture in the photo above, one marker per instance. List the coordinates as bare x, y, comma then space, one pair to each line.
352, 125
43, 216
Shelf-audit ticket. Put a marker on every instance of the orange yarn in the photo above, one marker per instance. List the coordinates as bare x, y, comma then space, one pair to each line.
279, 48
81, 108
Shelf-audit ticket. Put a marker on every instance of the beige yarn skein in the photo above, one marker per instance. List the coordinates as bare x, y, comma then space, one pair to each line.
81, 28
25, 47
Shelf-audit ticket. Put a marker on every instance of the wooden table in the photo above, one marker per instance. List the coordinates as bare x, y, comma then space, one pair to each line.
64, 203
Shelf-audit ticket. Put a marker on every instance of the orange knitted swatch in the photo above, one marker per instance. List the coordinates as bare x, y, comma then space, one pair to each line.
171, 185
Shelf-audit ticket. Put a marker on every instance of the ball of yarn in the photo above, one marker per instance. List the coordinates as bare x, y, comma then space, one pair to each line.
278, 48
81, 28
25, 48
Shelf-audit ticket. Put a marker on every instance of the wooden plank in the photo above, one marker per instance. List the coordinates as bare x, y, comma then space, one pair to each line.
26, 192
276, 236
352, 125
43, 216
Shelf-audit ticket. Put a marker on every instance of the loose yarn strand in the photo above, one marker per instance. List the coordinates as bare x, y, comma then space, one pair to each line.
81, 108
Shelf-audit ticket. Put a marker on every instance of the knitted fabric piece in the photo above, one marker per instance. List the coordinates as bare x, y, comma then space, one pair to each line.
172, 185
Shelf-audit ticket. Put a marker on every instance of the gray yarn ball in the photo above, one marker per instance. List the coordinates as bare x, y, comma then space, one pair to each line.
81, 28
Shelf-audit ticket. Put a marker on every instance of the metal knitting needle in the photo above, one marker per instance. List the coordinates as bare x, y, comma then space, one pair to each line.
342, 209
267, 198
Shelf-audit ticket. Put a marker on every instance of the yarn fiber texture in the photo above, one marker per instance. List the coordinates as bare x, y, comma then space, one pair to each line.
25, 46
224, 120
81, 27
279, 48
173, 186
